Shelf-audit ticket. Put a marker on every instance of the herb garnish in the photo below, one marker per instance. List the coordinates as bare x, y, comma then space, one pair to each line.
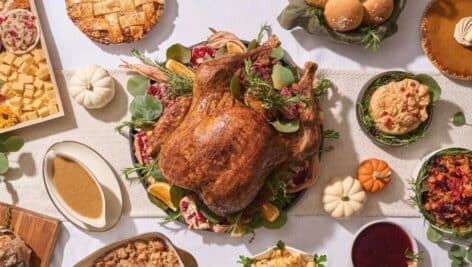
320, 260
371, 39
145, 110
8, 143
459, 119
265, 92
331, 134
322, 87
179, 83
411, 256
171, 217
145, 171
246, 261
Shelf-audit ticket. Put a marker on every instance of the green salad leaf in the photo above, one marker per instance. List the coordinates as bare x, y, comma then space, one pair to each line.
180, 53
138, 85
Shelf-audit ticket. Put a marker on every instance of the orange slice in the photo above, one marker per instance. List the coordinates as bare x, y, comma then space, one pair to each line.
233, 48
161, 191
178, 67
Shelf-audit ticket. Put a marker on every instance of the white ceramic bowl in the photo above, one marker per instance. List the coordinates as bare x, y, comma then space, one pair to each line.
414, 244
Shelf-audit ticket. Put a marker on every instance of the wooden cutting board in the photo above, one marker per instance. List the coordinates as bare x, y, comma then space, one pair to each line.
40, 232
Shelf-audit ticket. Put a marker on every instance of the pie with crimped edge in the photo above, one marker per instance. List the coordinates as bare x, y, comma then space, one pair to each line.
437, 37
115, 21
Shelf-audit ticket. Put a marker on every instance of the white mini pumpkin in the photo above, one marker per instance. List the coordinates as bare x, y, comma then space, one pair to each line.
343, 197
92, 87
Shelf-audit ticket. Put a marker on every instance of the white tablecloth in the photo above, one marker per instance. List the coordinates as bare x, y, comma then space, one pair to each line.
186, 22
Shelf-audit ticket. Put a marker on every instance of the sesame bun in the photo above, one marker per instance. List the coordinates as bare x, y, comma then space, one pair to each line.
343, 15
377, 11
317, 3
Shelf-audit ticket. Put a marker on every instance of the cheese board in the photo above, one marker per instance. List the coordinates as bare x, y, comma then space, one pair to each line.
29, 93
39, 232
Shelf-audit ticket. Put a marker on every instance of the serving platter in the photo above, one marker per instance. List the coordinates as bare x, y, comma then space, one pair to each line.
104, 175
60, 109
39, 232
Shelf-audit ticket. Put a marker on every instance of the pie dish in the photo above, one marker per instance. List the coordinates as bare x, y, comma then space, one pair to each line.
395, 108
158, 148
442, 191
437, 37
114, 22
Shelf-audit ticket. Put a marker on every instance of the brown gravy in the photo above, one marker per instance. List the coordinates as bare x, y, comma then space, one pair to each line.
77, 187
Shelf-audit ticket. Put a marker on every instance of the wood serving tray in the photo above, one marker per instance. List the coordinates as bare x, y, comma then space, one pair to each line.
42, 44
38, 231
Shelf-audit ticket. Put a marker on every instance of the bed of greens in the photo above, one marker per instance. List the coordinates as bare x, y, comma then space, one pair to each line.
367, 123
299, 14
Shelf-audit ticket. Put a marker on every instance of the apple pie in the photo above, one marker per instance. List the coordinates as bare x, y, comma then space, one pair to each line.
115, 21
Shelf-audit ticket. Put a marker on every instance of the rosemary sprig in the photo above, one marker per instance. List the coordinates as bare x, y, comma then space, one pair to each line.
411, 256
371, 39
145, 171
171, 217
278, 184
322, 87
264, 91
179, 83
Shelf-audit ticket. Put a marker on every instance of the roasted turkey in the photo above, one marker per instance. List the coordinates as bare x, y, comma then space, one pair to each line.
223, 150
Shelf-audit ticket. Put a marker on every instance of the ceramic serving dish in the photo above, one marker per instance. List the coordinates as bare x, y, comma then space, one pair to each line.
417, 173
399, 140
105, 177
267, 253
89, 260
413, 242
49, 173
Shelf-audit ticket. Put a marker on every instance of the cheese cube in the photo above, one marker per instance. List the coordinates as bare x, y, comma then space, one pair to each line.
38, 93
43, 72
18, 61
28, 59
29, 87
11, 94
38, 84
32, 115
27, 101
24, 117
28, 93
5, 88
37, 103
27, 107
43, 112
16, 110
9, 58
3, 78
53, 109
13, 76
48, 86
23, 78
38, 55
17, 87
5, 69
50, 95
15, 101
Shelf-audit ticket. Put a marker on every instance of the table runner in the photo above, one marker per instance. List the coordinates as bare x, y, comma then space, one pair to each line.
95, 128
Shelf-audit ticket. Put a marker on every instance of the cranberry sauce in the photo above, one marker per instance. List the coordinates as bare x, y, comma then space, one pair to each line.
381, 244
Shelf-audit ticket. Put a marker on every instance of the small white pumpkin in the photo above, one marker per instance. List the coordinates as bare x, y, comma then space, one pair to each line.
92, 87
343, 197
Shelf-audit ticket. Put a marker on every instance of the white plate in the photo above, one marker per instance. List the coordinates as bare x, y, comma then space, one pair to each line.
104, 175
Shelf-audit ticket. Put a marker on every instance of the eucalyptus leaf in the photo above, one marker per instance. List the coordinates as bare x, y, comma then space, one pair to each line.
277, 224
180, 53
145, 107
433, 86
13, 144
282, 76
212, 217
176, 194
291, 126
2, 179
459, 119
469, 254
235, 86
434, 235
3, 163
457, 252
277, 53
138, 85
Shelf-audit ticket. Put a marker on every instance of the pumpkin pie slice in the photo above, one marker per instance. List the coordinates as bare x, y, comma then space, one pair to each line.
437, 37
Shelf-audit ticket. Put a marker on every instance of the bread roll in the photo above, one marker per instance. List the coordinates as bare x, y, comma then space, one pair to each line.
343, 15
317, 3
377, 11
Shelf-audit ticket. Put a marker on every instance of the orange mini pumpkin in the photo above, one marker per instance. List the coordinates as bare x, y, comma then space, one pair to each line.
374, 175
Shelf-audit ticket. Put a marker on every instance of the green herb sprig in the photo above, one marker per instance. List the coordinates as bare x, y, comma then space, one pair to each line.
322, 87
413, 257
179, 84
265, 92
145, 171
320, 260
246, 261
371, 39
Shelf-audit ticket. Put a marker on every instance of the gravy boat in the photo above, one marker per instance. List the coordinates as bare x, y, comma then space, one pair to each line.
48, 170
